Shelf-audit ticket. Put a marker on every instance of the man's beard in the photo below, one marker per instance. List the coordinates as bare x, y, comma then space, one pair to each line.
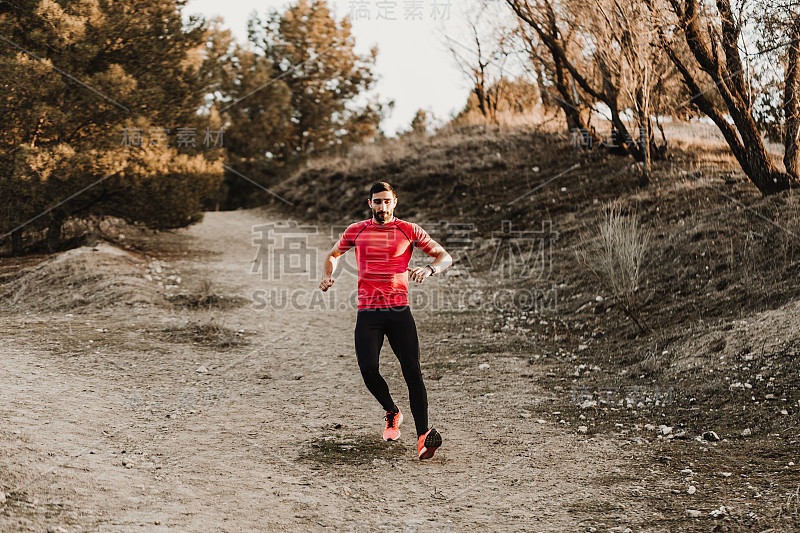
382, 216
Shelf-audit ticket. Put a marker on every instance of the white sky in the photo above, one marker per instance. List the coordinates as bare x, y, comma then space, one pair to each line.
416, 70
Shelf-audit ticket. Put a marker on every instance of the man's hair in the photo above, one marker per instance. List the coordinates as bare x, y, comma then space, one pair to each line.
380, 187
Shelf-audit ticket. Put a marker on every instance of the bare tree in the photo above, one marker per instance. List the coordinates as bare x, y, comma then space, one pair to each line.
550, 72
607, 52
715, 75
628, 54
779, 28
483, 61
791, 103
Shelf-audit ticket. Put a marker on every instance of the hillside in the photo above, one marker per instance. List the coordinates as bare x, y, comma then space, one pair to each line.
162, 381
717, 292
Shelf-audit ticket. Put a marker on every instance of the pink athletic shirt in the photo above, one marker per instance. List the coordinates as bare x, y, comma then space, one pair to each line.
382, 254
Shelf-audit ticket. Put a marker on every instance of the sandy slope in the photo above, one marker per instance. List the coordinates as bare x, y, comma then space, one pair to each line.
123, 434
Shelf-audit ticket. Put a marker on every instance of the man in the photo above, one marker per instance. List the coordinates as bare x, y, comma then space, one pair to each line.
383, 247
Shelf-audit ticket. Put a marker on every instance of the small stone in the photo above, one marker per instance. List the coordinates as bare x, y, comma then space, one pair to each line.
540, 421
202, 370
692, 489
299, 376
598, 298
693, 513
582, 429
711, 436
649, 427
2, 497
746, 432
588, 403
665, 430
525, 414
483, 366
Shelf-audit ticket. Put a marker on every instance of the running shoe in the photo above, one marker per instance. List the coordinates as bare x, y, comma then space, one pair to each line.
393, 421
428, 443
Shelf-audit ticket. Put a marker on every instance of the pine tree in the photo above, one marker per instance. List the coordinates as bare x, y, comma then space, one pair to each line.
292, 93
77, 79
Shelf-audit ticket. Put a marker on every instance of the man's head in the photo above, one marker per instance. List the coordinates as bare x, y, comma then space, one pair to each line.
382, 202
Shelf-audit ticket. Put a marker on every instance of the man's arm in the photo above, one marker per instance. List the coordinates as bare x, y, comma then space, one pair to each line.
329, 266
442, 261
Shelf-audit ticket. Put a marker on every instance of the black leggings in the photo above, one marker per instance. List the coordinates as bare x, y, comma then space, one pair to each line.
398, 325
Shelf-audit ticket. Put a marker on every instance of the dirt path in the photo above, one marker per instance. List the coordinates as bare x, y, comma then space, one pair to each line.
124, 434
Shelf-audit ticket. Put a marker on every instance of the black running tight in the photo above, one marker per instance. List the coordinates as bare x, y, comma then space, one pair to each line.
398, 325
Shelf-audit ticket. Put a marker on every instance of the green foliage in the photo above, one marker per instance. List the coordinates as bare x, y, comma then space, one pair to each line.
77, 76
296, 91
74, 75
315, 57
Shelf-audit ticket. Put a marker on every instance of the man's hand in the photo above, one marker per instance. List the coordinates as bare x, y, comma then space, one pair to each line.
325, 284
419, 274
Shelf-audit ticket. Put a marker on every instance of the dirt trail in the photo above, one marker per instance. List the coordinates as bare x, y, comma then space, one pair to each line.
123, 433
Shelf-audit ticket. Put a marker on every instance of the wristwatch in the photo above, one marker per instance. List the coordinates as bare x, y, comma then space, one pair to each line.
433, 270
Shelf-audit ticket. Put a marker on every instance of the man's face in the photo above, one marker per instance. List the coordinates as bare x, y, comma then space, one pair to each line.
382, 205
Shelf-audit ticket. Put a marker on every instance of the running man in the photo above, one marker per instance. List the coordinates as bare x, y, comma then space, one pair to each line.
383, 246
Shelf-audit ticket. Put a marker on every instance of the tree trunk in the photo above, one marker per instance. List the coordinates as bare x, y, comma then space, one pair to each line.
645, 134
569, 102
623, 138
481, 95
763, 172
544, 92
743, 136
16, 242
791, 106
54, 234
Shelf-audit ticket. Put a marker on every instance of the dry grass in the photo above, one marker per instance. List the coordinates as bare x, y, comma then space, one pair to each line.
510, 119
203, 330
205, 296
614, 255
86, 277
365, 156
